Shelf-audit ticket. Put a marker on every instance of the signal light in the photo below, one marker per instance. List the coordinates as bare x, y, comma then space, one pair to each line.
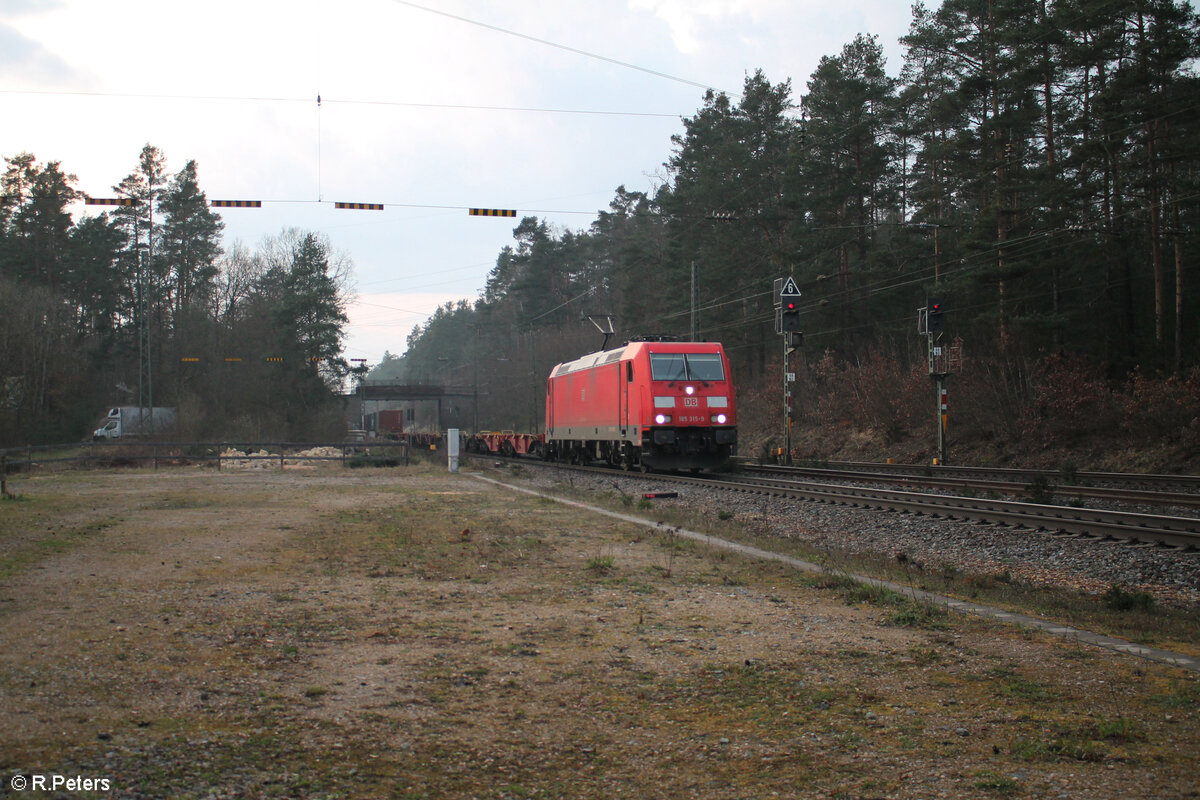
933, 315
790, 319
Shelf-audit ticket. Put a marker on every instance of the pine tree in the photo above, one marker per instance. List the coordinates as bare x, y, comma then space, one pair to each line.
190, 241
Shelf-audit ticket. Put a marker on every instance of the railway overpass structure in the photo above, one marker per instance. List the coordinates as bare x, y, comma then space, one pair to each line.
428, 407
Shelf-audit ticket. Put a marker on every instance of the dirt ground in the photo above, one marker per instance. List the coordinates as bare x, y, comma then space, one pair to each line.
326, 632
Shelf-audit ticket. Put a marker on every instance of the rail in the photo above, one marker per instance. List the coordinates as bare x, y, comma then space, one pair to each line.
1038, 488
1157, 529
1065, 477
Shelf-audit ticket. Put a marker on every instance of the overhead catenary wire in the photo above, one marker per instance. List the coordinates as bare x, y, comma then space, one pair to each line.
557, 45
326, 100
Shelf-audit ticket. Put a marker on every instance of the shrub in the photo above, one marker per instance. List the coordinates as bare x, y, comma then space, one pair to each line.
1154, 408
1118, 599
1071, 400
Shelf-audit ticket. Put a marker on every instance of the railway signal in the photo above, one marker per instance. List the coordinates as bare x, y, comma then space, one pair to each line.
943, 361
787, 323
933, 315
790, 320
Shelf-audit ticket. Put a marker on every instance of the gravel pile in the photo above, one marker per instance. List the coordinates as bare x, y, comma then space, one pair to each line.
262, 460
930, 544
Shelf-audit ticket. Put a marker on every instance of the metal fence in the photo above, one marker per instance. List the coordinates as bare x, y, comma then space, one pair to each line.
127, 453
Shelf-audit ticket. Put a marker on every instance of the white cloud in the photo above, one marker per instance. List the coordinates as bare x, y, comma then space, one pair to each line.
22, 58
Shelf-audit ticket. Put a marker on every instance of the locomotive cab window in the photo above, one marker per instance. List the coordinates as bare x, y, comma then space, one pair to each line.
686, 367
705, 367
629, 372
667, 367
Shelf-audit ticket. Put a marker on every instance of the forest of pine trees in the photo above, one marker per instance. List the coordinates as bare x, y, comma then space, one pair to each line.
1034, 165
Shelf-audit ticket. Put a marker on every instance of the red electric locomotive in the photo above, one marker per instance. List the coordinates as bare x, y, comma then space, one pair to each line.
646, 405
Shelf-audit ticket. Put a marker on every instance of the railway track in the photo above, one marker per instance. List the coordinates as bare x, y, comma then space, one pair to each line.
1145, 529
1067, 481
1033, 483
1158, 529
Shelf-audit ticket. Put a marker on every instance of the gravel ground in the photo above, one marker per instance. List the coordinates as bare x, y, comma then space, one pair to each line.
320, 633
1035, 557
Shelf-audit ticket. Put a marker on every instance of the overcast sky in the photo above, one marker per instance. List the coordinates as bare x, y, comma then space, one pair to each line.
430, 107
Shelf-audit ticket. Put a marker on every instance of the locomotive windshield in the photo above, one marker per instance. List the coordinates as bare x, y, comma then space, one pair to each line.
705, 367
686, 367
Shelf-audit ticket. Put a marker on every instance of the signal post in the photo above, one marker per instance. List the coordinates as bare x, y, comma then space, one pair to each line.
787, 323
943, 361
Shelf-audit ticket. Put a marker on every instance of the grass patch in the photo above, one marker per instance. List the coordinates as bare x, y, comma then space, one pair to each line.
1117, 598
1072, 748
19, 552
601, 565
997, 784
1023, 689
1118, 729
1120, 612
905, 611
360, 462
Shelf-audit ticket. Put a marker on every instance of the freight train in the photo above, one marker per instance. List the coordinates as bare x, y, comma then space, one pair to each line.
646, 405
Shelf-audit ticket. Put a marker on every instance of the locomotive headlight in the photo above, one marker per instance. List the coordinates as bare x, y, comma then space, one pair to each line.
662, 419
689, 390
719, 419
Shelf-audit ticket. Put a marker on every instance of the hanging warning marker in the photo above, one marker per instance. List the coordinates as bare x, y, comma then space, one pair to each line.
493, 212
360, 206
110, 201
236, 203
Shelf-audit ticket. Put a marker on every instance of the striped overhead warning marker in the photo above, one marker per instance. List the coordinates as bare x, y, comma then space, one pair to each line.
236, 203
360, 206
493, 212
109, 201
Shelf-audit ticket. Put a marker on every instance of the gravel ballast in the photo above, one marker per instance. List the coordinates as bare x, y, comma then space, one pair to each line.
1039, 558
